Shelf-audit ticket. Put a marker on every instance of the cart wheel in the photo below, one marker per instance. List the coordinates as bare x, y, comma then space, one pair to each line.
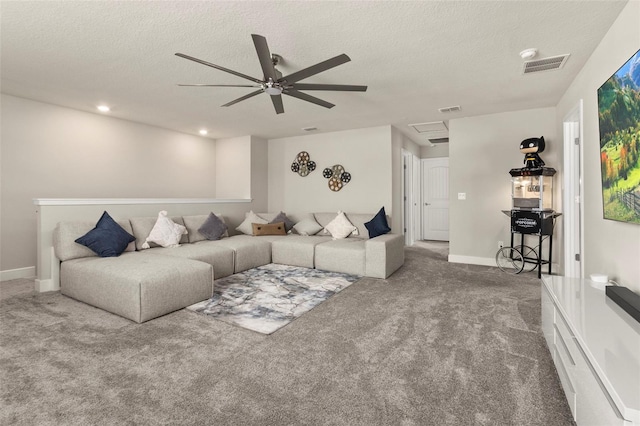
510, 260
531, 255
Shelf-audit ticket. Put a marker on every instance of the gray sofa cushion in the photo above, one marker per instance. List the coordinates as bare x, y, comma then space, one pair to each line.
296, 250
346, 255
135, 286
142, 226
66, 233
221, 258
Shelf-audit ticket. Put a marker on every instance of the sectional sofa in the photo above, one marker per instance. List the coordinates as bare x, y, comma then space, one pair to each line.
142, 284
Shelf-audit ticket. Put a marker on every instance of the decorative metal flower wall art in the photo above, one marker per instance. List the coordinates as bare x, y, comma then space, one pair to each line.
338, 177
303, 165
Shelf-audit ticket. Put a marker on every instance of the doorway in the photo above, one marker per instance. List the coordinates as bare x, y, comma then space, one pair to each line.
435, 199
572, 193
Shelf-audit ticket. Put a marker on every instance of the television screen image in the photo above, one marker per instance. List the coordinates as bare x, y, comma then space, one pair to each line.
619, 118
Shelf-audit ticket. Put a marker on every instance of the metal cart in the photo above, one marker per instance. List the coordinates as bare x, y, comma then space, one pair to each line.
518, 258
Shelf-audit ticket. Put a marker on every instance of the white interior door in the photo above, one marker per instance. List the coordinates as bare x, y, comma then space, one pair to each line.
435, 199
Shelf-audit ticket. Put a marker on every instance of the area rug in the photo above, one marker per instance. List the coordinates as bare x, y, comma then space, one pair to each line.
267, 298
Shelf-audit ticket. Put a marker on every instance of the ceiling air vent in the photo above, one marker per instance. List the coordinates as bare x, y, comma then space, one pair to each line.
545, 64
450, 109
436, 141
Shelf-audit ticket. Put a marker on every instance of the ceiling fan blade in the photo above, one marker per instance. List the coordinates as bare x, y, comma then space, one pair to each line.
242, 98
277, 103
336, 87
220, 85
316, 69
218, 67
308, 98
262, 49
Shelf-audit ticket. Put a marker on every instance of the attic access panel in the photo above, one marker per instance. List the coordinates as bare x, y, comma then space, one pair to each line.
430, 127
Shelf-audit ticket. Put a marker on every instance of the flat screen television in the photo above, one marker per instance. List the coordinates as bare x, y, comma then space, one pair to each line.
619, 119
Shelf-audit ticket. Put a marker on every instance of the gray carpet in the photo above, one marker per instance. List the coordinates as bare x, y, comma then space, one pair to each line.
436, 344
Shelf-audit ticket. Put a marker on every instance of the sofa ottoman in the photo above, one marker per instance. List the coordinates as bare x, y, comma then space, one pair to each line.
137, 287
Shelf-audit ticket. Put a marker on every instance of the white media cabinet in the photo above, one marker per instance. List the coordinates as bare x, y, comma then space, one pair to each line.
595, 346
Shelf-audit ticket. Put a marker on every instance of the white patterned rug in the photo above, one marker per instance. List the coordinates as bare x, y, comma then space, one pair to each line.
269, 297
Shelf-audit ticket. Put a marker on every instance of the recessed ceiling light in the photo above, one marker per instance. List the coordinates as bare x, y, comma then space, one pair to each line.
203, 132
529, 53
103, 108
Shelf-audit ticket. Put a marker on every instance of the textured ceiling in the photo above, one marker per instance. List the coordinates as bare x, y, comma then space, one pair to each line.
415, 57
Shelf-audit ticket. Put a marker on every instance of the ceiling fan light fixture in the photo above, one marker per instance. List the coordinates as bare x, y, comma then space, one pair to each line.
273, 90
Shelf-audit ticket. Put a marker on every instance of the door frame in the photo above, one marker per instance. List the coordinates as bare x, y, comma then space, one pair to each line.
573, 218
411, 197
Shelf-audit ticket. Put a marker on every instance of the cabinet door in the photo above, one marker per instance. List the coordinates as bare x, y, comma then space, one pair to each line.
594, 406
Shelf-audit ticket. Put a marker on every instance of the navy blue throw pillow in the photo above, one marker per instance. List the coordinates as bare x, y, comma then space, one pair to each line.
378, 225
107, 239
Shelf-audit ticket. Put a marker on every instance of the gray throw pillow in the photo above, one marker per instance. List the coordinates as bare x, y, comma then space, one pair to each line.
307, 227
288, 223
213, 228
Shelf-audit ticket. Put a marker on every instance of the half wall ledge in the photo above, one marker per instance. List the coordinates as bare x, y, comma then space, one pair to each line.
124, 201
50, 211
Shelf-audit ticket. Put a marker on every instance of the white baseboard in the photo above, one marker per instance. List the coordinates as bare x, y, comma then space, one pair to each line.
490, 261
472, 260
14, 274
46, 285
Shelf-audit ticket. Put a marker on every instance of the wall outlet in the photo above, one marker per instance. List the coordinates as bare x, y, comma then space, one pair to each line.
462, 195
500, 244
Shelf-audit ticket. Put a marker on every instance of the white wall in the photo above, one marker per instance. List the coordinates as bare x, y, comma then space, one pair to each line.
54, 152
233, 168
611, 247
436, 151
259, 172
482, 151
365, 153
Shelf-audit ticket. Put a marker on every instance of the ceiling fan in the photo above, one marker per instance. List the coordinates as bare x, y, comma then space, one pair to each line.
274, 84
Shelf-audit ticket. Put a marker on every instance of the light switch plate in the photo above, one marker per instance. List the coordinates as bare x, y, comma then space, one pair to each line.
462, 195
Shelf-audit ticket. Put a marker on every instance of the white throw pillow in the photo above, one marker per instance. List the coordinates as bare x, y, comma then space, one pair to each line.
340, 227
307, 227
246, 226
165, 232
